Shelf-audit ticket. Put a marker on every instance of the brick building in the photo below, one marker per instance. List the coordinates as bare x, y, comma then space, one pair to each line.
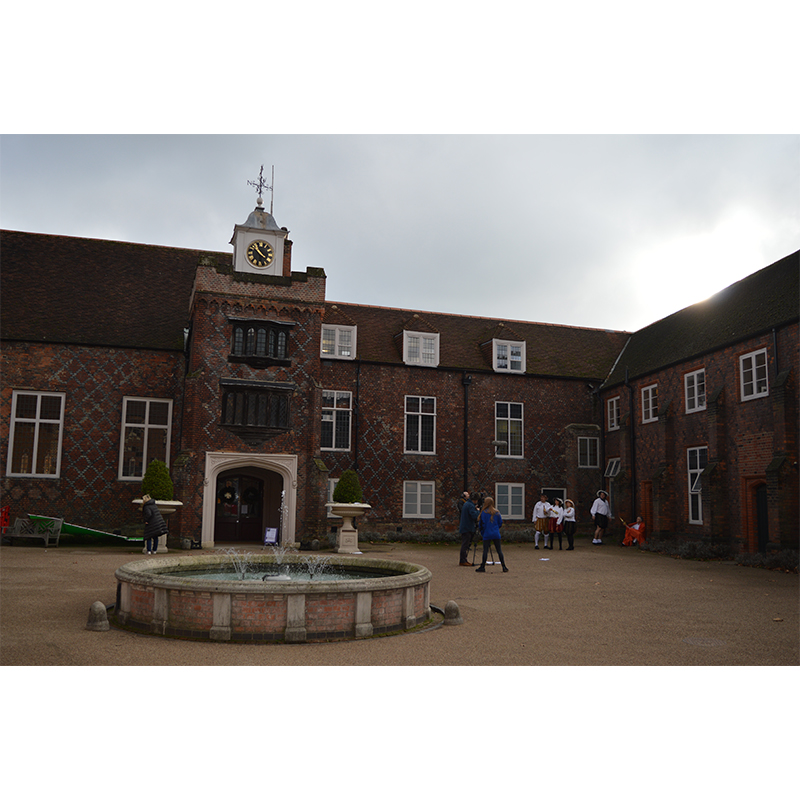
701, 417
259, 392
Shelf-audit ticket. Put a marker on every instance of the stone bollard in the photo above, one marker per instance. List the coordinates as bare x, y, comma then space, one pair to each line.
452, 616
98, 618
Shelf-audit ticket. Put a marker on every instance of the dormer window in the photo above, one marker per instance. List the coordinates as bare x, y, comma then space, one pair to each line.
421, 349
508, 356
338, 341
260, 343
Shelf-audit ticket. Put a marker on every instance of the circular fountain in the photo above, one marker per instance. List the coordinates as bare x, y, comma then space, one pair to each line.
235, 597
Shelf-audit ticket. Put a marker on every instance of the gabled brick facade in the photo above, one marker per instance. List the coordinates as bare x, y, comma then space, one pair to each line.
266, 412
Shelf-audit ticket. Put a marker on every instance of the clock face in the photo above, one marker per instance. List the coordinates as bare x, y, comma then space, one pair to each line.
260, 254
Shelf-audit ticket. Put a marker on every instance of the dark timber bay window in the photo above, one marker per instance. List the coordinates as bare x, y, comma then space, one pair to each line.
256, 410
260, 343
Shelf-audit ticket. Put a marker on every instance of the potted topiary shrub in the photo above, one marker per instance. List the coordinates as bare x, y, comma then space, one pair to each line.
157, 484
347, 497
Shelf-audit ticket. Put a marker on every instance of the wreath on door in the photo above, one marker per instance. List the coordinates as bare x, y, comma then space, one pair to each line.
228, 495
251, 496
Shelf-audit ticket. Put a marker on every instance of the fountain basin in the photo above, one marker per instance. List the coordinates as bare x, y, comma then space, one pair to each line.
156, 596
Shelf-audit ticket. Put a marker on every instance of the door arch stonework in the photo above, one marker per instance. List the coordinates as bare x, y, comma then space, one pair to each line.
217, 463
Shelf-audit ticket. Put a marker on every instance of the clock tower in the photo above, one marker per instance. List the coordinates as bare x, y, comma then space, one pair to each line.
258, 245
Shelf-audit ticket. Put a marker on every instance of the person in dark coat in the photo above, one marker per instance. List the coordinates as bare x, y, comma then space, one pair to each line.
154, 525
469, 516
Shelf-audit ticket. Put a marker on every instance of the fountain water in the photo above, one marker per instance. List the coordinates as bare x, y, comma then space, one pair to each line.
241, 561
316, 565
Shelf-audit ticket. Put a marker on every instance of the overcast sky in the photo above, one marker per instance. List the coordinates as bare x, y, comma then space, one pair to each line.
596, 231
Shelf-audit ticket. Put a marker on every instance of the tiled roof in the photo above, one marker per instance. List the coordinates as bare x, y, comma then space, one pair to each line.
557, 350
95, 292
761, 301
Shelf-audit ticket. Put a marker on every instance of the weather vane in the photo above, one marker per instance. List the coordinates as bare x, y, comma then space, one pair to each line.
261, 184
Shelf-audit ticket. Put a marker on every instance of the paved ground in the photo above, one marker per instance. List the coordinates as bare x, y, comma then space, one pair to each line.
593, 606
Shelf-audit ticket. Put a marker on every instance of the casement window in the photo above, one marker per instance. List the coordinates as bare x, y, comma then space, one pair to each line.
418, 499
337, 409
697, 461
421, 349
420, 424
255, 409
650, 403
338, 341
588, 452
694, 386
509, 356
35, 434
753, 375
508, 430
510, 500
260, 343
612, 468
146, 433
613, 413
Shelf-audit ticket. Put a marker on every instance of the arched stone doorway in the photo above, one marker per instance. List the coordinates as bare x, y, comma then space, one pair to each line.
243, 494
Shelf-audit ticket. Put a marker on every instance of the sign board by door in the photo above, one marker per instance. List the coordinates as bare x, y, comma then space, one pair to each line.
271, 536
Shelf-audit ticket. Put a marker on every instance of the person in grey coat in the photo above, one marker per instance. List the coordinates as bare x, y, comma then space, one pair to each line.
154, 525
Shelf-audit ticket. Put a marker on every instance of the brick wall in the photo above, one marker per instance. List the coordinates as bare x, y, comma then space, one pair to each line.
94, 380
743, 439
550, 454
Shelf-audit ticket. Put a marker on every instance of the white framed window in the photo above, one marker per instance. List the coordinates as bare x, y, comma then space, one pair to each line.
612, 468
588, 452
613, 413
331, 486
508, 430
694, 388
509, 356
510, 500
696, 462
420, 416
421, 349
338, 341
337, 410
753, 375
650, 403
419, 499
146, 431
36, 431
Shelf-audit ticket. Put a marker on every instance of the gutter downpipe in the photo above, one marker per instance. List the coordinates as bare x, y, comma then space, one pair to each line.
466, 382
632, 416
357, 412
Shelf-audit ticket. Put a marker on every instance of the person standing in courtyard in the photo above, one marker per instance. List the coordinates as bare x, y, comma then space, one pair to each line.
541, 521
154, 525
469, 517
600, 514
490, 523
558, 524
569, 523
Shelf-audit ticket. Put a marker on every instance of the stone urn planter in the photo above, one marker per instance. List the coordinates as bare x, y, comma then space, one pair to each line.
348, 535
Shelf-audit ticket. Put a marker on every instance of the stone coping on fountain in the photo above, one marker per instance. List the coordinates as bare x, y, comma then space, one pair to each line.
166, 572
153, 597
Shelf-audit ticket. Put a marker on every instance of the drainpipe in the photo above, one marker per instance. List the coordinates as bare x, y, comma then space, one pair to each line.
466, 381
775, 350
356, 412
632, 416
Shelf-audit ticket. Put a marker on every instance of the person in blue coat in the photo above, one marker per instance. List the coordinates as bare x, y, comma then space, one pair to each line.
489, 524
